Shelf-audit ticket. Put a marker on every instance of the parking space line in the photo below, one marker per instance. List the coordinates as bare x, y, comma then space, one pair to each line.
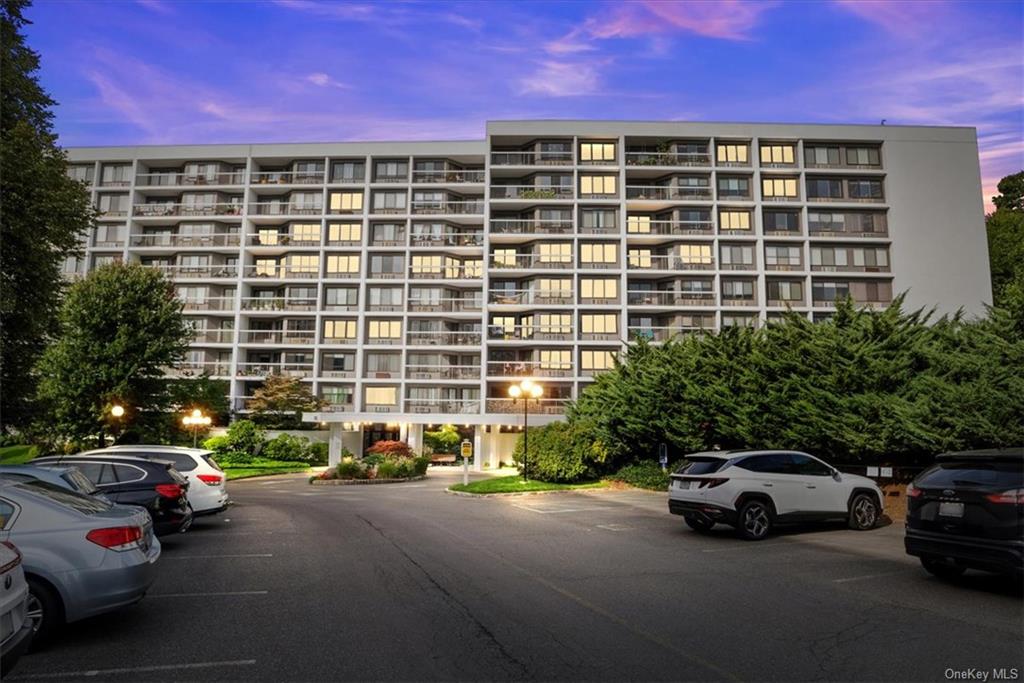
542, 511
211, 557
205, 595
745, 546
132, 670
614, 527
864, 577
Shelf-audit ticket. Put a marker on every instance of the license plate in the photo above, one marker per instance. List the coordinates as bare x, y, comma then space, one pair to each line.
951, 509
683, 484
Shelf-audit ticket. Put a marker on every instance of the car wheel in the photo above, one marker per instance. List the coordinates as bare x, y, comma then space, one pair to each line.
45, 611
698, 524
941, 568
863, 512
755, 520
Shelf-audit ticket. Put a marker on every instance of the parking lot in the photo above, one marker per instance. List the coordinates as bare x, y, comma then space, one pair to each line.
406, 582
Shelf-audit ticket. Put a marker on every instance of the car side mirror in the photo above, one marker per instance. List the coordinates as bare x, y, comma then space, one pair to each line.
837, 475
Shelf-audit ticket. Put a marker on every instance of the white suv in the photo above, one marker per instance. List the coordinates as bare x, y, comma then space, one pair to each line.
755, 490
207, 491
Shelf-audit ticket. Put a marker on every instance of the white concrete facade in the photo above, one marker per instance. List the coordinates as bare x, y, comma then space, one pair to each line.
409, 283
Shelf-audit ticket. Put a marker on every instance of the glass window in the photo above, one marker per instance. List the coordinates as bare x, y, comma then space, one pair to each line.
695, 253
555, 253
821, 155
597, 184
774, 463
347, 171
732, 153
640, 225
824, 188
390, 202
599, 218
778, 187
381, 264
426, 264
556, 359
734, 187
340, 296
862, 156
384, 329
738, 289
597, 151
734, 220
305, 232
344, 232
785, 290
342, 264
599, 288
381, 396
599, 253
776, 154
599, 323
781, 221
597, 360
865, 189
346, 202
807, 466
639, 258
391, 170
339, 329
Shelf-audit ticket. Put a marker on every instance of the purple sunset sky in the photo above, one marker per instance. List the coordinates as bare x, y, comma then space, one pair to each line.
158, 71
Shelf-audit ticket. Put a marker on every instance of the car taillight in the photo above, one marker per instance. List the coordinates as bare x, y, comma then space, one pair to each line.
913, 491
116, 538
1011, 497
210, 479
169, 490
711, 483
13, 563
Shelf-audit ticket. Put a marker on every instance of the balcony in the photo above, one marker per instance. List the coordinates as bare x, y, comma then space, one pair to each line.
528, 368
529, 297
213, 337
670, 298
282, 272
850, 268
280, 303
449, 177
337, 374
530, 226
286, 178
530, 333
460, 406
443, 338
277, 336
668, 262
338, 407
445, 273
197, 272
457, 372
669, 227
667, 192
214, 240
660, 334
532, 158
158, 209
444, 304
529, 262
673, 159
531, 192
451, 239
784, 266
543, 406
261, 370
272, 239
196, 368
285, 209
210, 303
189, 179
448, 207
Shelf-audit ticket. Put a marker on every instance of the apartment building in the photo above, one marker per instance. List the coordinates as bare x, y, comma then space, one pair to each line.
411, 283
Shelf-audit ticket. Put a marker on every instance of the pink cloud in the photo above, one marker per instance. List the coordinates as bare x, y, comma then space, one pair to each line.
897, 17
725, 20
561, 79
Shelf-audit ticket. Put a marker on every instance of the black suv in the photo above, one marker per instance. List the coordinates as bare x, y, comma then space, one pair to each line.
152, 484
967, 511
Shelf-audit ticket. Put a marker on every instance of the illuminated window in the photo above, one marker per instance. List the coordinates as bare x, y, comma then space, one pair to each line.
305, 264
776, 154
306, 232
426, 264
734, 220
599, 288
603, 323
778, 187
555, 253
597, 360
597, 151
732, 153
381, 396
552, 359
342, 264
267, 236
339, 329
266, 267
695, 253
553, 323
638, 224
344, 232
555, 287
472, 268
599, 253
346, 202
384, 329
503, 258
639, 258
597, 184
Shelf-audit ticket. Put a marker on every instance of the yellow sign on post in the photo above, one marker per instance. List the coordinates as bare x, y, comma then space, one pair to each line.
467, 449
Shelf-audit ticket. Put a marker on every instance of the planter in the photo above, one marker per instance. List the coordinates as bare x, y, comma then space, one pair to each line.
356, 482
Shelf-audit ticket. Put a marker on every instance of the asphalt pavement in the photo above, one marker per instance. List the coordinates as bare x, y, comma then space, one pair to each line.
408, 583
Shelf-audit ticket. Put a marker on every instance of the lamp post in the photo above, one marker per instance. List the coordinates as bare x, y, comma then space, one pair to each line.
525, 390
195, 420
116, 413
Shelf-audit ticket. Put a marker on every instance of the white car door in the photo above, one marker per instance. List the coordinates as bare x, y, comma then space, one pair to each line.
772, 475
820, 492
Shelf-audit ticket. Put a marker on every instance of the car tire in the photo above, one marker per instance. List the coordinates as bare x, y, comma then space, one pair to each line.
44, 605
864, 512
941, 568
755, 520
698, 524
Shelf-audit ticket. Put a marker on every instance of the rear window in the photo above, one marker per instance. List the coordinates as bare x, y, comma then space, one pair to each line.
182, 462
212, 463
79, 481
85, 504
700, 465
994, 474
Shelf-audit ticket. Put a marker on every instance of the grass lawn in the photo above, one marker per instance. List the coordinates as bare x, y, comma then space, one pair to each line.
17, 455
262, 467
515, 484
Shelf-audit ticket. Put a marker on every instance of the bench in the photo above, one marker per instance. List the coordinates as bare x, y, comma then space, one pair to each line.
442, 459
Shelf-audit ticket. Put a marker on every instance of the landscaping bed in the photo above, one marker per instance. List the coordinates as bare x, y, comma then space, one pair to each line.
515, 484
260, 468
317, 481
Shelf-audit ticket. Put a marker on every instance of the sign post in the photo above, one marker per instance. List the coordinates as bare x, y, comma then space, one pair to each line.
467, 453
663, 456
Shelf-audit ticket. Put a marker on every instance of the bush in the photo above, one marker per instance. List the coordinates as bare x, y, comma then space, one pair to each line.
217, 444
560, 452
643, 475
288, 448
391, 449
373, 459
420, 466
387, 469
319, 452
349, 468
246, 436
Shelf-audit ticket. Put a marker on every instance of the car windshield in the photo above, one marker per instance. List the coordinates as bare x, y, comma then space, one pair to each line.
85, 504
698, 465
993, 474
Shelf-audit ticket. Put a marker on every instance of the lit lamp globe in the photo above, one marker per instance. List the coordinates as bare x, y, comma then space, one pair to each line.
117, 411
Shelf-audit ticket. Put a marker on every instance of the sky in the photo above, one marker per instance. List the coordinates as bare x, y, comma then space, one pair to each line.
169, 72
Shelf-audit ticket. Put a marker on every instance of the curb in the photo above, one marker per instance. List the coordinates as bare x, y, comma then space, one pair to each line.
363, 482
513, 494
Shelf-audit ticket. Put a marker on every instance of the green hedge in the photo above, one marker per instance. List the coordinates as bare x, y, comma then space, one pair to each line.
561, 452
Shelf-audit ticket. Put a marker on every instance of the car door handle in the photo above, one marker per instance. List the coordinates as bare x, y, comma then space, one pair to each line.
767, 484
811, 486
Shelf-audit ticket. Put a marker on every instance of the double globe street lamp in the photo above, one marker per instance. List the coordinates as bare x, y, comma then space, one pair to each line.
525, 390
196, 420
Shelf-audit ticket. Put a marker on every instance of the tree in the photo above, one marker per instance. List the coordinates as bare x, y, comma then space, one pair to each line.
1005, 230
121, 327
45, 214
1011, 193
444, 440
281, 401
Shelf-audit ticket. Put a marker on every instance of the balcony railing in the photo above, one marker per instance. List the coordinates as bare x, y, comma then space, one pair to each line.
822, 303
208, 303
667, 192
839, 232
281, 272
214, 337
207, 241
189, 179
531, 192
339, 407
285, 209
335, 373
528, 368
669, 227
531, 158
530, 261
264, 369
278, 336
283, 239
544, 406
845, 200
530, 332
667, 262
462, 406
671, 298
287, 178
340, 340
452, 239
195, 368
784, 266
442, 371
664, 333
850, 268
443, 338
739, 300
782, 303
527, 297
448, 177
197, 272
155, 209
529, 226
447, 304
447, 207
445, 273
738, 266
668, 159
277, 303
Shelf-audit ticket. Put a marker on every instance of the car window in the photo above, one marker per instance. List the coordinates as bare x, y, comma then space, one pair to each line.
212, 463
805, 465
6, 513
700, 465
128, 473
85, 504
999, 474
182, 461
79, 481
92, 470
771, 463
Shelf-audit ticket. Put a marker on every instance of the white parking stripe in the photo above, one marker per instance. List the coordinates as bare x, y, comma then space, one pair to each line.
866, 576
210, 557
745, 546
204, 595
542, 511
133, 669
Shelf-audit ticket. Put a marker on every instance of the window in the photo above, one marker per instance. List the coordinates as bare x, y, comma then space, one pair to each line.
305, 232
821, 156
391, 170
346, 202
266, 267
390, 297
785, 290
831, 222
82, 173
639, 258
599, 288
268, 236
389, 202
551, 323
734, 187
597, 151
776, 154
390, 233
503, 258
824, 188
778, 187
105, 260
426, 264
862, 156
808, 466
554, 287
734, 220
774, 463
599, 219
113, 204
597, 360
828, 256
777, 255
737, 255
781, 221
340, 296
342, 264
732, 153
386, 264
640, 225
556, 359
828, 292
871, 258
555, 253
344, 232
116, 174
696, 253
339, 329
597, 184
347, 172
381, 396
109, 233
384, 329
603, 323
741, 320
599, 253
303, 264
865, 189
383, 362
337, 395
738, 289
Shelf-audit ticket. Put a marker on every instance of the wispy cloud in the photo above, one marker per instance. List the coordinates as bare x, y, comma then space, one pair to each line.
561, 79
725, 20
325, 81
898, 17
156, 6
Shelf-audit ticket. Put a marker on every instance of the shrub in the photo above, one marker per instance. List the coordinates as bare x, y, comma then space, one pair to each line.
217, 444
643, 475
350, 468
387, 469
391, 449
319, 452
288, 448
246, 436
373, 459
560, 452
420, 465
